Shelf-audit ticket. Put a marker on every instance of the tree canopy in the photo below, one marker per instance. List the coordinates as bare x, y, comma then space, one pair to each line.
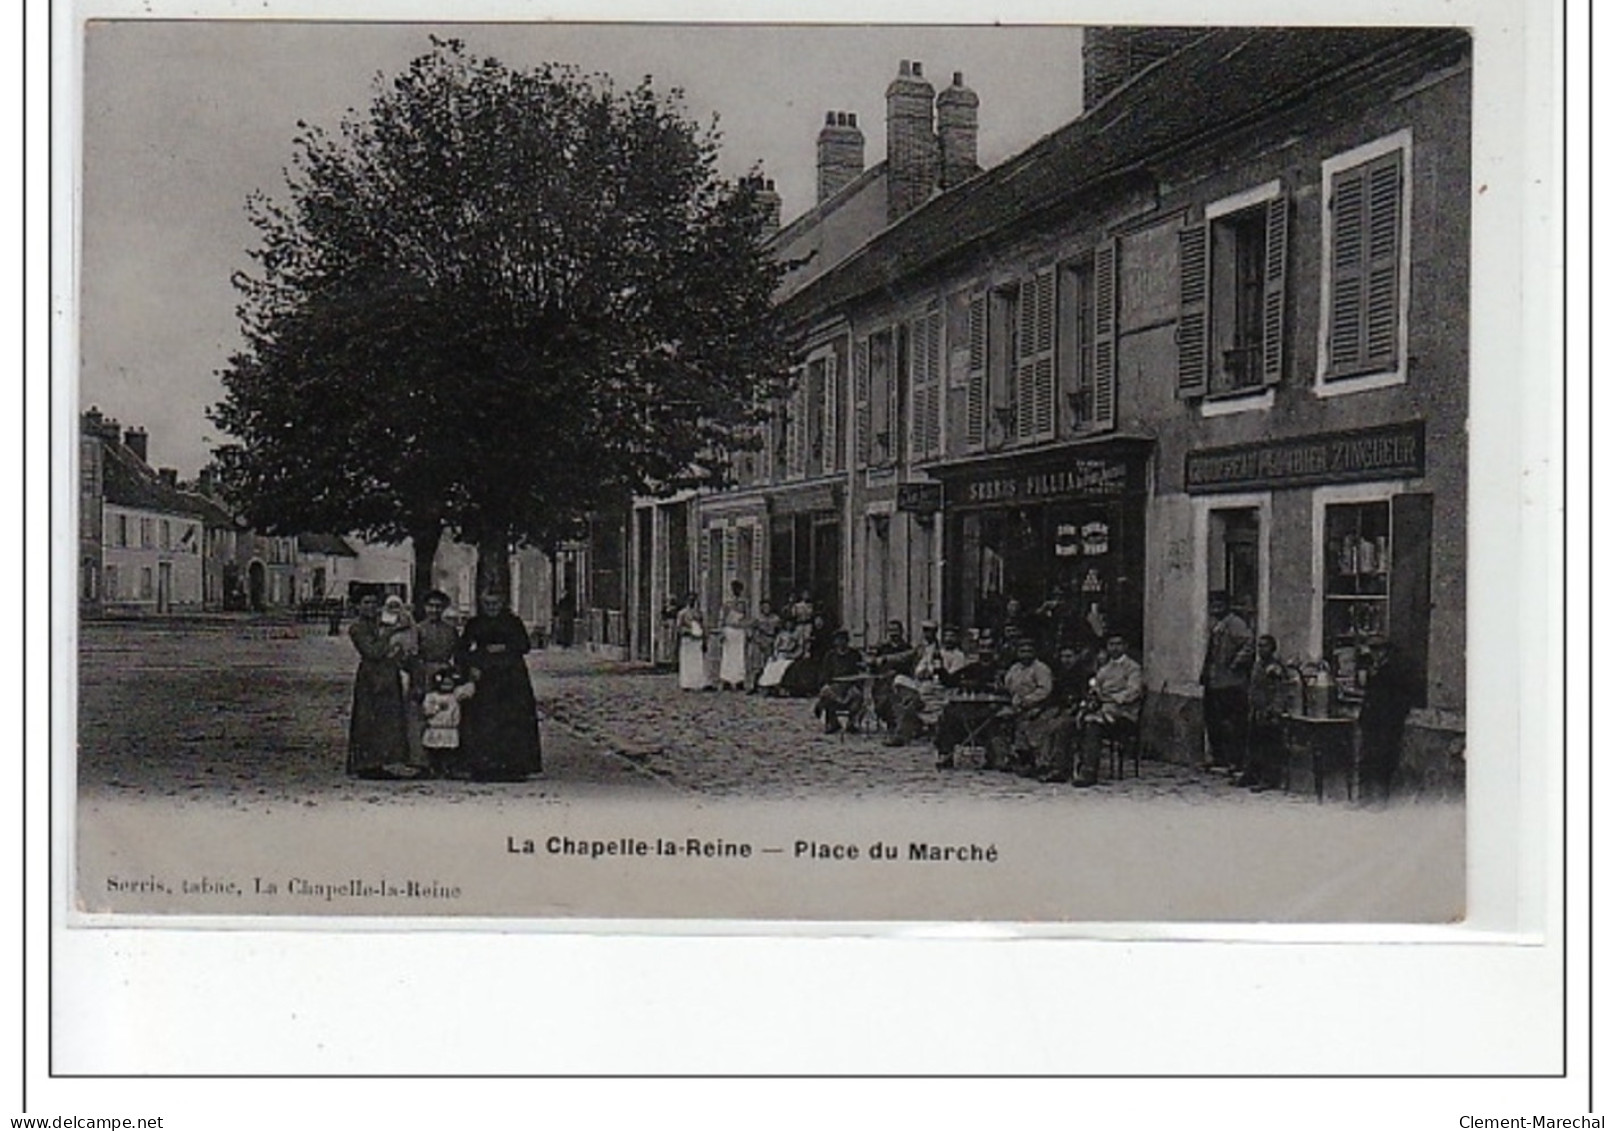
492, 302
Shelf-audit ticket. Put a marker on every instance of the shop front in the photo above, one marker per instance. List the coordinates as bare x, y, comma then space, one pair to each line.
1061, 531
1331, 541
805, 547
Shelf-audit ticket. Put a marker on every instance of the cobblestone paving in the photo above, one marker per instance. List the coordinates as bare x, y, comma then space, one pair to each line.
728, 743
255, 714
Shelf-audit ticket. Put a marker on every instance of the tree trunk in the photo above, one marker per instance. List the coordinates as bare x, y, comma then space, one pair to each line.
493, 564
424, 543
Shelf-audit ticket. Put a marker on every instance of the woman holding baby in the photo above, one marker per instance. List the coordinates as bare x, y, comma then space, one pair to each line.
377, 735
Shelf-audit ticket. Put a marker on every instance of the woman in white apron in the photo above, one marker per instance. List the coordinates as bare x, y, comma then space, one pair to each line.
732, 662
692, 646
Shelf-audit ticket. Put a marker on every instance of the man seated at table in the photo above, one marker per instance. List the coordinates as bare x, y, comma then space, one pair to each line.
1111, 711
975, 694
919, 696
1073, 680
1030, 683
890, 659
841, 692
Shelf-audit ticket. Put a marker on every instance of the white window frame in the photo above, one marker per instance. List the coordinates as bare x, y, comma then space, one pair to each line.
1380, 491
1322, 387
1262, 503
1258, 398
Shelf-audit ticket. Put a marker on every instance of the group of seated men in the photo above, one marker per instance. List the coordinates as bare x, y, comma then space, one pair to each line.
1031, 719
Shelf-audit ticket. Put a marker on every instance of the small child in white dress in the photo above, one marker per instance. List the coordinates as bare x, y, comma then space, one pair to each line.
441, 707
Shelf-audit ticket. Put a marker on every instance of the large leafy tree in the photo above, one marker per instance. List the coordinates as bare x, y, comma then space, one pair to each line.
496, 300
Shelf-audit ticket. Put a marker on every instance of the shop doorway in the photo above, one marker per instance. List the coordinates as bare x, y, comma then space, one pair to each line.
1234, 560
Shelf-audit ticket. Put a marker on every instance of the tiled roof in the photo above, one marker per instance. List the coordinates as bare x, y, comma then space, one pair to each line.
1221, 82
127, 482
332, 544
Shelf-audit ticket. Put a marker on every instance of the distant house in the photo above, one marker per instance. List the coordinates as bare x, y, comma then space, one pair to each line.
326, 564
140, 536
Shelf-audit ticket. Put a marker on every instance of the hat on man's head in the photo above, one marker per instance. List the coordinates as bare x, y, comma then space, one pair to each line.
928, 624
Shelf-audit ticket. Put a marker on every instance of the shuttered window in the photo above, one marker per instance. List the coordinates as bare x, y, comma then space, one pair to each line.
795, 429
882, 363
1034, 362
1232, 277
834, 449
976, 386
925, 387
1103, 366
1367, 232
860, 402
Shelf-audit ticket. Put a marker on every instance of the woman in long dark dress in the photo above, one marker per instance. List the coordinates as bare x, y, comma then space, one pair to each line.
377, 736
499, 724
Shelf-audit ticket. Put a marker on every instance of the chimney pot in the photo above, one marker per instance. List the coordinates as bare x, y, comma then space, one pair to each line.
912, 156
956, 108
135, 440
840, 153
905, 68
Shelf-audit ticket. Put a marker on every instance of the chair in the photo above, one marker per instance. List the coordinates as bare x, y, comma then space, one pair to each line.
1121, 739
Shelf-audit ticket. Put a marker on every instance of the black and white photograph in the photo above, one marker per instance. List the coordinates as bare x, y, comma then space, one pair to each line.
773, 472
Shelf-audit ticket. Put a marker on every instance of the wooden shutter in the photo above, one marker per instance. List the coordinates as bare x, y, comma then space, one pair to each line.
1382, 311
1192, 293
1273, 287
1033, 394
1411, 525
931, 421
833, 459
1365, 267
793, 427
976, 390
729, 556
925, 374
860, 402
1102, 368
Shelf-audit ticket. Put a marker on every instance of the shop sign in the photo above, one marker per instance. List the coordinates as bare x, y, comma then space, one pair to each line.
1085, 477
921, 498
1392, 452
805, 500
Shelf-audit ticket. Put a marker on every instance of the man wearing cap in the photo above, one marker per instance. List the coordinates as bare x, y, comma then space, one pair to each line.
1223, 676
891, 660
917, 698
1112, 709
840, 694
965, 713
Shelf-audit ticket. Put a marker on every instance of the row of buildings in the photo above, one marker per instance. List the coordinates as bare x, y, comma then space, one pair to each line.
1211, 335
149, 544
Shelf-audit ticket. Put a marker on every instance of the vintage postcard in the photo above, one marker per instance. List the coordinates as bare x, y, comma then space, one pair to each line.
839, 473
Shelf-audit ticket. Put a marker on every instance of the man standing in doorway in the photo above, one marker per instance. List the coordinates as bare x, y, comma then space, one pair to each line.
1223, 676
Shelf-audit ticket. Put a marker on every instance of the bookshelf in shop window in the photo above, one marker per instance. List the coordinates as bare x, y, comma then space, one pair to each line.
1376, 582
1357, 586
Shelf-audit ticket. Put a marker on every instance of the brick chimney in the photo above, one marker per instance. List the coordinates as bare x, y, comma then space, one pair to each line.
135, 440
1114, 56
204, 481
911, 146
103, 427
841, 153
768, 200
169, 476
956, 131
